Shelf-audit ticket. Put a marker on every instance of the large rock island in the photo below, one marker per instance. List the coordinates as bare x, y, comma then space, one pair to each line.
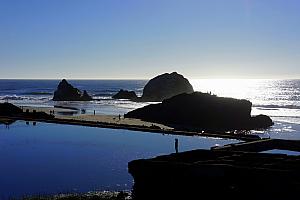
165, 86
202, 111
159, 88
66, 92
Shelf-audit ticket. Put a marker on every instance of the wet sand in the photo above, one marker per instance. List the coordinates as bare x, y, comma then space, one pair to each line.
97, 118
114, 122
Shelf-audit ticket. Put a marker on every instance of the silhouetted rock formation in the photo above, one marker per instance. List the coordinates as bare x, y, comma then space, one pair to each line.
85, 96
38, 115
261, 121
125, 94
8, 109
165, 86
66, 92
7, 121
202, 111
201, 173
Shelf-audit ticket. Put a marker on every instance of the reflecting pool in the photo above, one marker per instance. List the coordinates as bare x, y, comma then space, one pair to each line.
51, 158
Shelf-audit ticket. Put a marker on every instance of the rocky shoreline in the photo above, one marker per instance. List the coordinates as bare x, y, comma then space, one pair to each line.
114, 122
203, 112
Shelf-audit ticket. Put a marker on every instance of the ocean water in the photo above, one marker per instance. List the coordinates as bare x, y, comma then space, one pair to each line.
40, 93
280, 99
51, 158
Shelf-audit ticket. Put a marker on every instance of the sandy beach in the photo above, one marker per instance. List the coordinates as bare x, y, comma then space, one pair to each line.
116, 122
97, 118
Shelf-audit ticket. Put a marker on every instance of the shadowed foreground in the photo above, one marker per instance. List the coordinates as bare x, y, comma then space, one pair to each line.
229, 172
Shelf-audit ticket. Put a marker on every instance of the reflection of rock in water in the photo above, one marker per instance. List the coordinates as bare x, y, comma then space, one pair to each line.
7, 121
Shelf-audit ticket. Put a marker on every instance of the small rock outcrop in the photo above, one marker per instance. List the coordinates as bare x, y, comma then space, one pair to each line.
66, 92
125, 94
165, 86
8, 109
202, 111
261, 121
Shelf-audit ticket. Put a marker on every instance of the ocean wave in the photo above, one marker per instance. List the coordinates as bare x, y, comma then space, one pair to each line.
276, 107
102, 98
121, 103
38, 93
103, 94
13, 97
22, 98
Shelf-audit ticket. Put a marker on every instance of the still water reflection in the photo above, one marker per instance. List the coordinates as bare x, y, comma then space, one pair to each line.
51, 158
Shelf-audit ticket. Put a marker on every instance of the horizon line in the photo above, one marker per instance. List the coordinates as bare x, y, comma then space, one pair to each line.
149, 78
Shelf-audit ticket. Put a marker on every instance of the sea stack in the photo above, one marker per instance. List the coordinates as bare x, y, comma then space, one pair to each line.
66, 92
202, 111
159, 88
125, 94
165, 86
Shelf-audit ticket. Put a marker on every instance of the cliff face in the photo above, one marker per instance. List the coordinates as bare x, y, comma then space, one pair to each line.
66, 92
165, 86
203, 111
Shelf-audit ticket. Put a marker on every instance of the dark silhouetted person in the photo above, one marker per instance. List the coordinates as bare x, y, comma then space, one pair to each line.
176, 145
119, 117
94, 112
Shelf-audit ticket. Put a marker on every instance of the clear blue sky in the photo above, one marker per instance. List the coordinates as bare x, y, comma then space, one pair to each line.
143, 38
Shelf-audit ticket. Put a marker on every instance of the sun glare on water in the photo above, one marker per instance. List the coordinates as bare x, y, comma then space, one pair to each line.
236, 88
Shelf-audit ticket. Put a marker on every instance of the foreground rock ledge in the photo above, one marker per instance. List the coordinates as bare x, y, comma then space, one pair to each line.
66, 92
216, 174
202, 111
12, 111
